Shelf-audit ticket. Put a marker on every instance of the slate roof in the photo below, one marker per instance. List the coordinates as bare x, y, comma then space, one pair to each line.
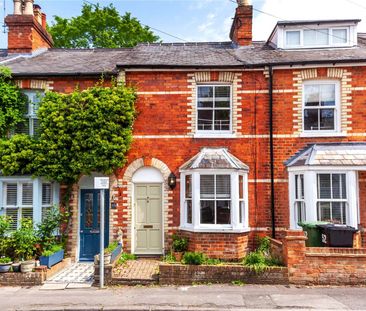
332, 154
214, 158
175, 55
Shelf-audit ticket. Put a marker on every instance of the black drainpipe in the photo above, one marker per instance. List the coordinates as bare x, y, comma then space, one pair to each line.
271, 151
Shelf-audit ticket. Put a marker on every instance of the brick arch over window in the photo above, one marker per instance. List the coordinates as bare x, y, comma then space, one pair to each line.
123, 218
340, 74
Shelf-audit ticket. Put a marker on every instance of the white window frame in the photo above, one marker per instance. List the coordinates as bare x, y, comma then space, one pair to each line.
312, 27
196, 226
298, 198
31, 114
337, 110
311, 192
214, 133
37, 196
332, 36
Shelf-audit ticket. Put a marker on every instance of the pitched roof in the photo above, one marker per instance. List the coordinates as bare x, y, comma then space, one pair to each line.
176, 55
332, 154
214, 158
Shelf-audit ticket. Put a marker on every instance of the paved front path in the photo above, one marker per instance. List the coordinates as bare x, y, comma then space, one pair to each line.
142, 269
78, 275
208, 298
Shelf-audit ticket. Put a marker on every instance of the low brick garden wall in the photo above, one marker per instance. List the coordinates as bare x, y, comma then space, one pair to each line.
177, 274
323, 265
36, 278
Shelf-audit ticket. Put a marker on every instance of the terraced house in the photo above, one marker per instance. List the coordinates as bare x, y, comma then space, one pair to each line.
232, 138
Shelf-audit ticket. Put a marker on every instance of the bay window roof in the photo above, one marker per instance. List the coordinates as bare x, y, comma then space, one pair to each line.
332, 154
214, 158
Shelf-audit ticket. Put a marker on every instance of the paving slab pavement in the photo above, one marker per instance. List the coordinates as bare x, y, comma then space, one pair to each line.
185, 298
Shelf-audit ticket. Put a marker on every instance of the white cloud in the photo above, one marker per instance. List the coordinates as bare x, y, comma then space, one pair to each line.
304, 10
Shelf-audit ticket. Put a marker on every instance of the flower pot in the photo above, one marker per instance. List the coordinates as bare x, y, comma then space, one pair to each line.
16, 267
107, 259
27, 266
51, 260
5, 267
178, 256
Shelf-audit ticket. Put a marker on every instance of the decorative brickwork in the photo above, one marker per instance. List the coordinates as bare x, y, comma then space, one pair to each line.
126, 188
345, 79
233, 78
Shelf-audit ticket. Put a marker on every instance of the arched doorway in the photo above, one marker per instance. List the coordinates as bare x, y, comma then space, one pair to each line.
147, 211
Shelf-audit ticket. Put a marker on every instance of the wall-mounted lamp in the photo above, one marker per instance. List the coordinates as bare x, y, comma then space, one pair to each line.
172, 181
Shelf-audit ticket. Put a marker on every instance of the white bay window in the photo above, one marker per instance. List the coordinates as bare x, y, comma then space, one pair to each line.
214, 193
24, 197
320, 195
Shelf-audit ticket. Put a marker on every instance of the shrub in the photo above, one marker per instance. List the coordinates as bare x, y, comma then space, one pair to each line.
46, 230
264, 245
193, 258
180, 244
111, 247
24, 240
4, 234
125, 257
5, 260
212, 262
52, 250
169, 258
255, 261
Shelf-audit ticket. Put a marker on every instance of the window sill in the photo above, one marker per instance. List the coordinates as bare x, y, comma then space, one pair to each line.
214, 135
214, 230
326, 134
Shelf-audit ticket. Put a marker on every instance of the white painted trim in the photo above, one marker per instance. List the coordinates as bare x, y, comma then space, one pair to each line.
196, 226
215, 230
213, 133
311, 197
165, 93
337, 108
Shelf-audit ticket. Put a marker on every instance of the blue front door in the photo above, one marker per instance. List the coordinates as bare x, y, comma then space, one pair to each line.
90, 223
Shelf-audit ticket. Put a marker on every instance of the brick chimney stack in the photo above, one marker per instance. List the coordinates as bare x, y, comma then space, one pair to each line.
27, 28
241, 29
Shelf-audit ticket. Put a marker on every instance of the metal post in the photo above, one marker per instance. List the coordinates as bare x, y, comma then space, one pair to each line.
101, 253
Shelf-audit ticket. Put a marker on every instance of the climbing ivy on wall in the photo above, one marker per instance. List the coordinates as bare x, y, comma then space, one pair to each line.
12, 103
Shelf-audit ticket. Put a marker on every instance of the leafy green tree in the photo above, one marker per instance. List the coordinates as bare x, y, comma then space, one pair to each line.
84, 132
99, 27
12, 103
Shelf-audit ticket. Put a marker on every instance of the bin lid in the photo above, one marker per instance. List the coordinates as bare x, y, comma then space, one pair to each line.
312, 224
337, 227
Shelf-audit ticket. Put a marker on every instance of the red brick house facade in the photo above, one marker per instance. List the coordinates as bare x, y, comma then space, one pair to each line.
259, 135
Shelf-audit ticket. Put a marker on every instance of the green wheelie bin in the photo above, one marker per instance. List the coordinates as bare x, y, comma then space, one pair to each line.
313, 233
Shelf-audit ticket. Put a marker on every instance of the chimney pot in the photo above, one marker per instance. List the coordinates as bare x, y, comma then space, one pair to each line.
37, 13
28, 8
243, 2
17, 7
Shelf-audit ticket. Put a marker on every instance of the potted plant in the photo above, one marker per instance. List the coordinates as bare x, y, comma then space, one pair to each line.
110, 253
15, 267
52, 256
5, 261
5, 264
179, 246
24, 240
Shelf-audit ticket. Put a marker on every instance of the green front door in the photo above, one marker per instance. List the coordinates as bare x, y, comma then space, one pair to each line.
148, 219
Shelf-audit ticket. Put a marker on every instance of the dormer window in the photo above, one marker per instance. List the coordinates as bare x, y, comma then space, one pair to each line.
314, 34
319, 37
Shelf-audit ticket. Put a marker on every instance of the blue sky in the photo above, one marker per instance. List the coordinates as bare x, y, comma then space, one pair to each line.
208, 20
